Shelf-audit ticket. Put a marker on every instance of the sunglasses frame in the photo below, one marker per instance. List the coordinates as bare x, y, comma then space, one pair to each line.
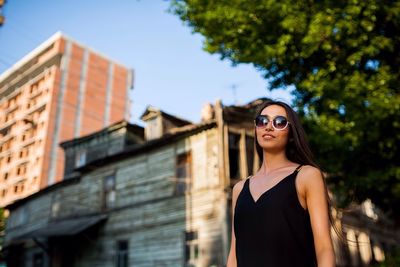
272, 122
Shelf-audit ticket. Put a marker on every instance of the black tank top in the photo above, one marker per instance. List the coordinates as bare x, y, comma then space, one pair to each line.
275, 230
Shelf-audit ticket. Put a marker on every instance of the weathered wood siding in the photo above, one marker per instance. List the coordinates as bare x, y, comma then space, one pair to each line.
147, 211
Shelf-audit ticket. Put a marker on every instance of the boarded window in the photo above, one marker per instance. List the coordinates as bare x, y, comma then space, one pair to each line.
122, 254
183, 173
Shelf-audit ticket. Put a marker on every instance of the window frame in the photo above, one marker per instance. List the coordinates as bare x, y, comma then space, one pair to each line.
109, 192
183, 161
122, 255
191, 248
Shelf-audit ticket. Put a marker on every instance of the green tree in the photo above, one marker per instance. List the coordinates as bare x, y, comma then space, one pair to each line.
342, 58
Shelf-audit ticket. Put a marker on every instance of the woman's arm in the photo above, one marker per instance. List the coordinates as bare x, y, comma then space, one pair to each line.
232, 253
317, 205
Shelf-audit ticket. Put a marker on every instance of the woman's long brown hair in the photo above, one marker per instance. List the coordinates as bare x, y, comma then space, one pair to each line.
297, 148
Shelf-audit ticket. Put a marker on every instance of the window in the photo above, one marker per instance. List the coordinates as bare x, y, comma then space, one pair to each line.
191, 248
234, 156
183, 173
122, 254
21, 170
109, 191
80, 158
250, 149
241, 155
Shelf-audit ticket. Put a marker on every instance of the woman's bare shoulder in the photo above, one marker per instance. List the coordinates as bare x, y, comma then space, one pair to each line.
237, 188
310, 176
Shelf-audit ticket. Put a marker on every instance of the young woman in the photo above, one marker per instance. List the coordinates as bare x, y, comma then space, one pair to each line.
281, 213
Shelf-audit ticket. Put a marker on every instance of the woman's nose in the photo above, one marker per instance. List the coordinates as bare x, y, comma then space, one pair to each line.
269, 126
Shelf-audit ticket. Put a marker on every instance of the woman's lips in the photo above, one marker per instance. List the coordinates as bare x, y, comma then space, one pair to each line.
268, 136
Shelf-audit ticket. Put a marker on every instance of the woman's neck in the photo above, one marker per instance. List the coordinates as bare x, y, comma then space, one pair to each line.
273, 161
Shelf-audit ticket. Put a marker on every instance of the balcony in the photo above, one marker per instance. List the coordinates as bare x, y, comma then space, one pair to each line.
7, 124
5, 138
10, 109
35, 94
39, 106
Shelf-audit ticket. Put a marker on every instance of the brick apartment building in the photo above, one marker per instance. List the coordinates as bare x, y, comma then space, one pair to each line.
59, 91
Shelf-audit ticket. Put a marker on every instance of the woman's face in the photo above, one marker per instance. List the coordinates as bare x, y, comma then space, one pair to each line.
269, 138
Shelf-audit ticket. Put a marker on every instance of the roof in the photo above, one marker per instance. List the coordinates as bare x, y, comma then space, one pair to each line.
61, 228
151, 111
242, 114
139, 130
74, 179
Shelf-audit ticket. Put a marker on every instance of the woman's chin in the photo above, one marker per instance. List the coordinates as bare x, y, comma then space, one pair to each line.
272, 148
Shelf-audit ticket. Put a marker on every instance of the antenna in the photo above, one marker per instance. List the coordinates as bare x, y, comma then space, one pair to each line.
234, 87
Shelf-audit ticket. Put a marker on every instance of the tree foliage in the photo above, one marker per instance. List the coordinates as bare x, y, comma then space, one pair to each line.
343, 59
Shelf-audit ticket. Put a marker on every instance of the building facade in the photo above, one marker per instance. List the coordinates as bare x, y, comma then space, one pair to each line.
59, 91
158, 196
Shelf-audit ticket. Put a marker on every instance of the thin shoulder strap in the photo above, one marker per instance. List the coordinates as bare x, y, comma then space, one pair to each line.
298, 168
247, 179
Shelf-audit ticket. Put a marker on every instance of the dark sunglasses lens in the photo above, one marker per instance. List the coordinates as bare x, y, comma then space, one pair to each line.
261, 121
280, 122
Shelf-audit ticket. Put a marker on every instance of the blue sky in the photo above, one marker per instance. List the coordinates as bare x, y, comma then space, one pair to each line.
172, 72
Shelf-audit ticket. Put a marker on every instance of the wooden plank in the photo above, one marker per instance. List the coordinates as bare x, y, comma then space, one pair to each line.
243, 155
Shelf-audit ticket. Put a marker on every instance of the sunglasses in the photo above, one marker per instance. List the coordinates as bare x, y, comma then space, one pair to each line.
278, 123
